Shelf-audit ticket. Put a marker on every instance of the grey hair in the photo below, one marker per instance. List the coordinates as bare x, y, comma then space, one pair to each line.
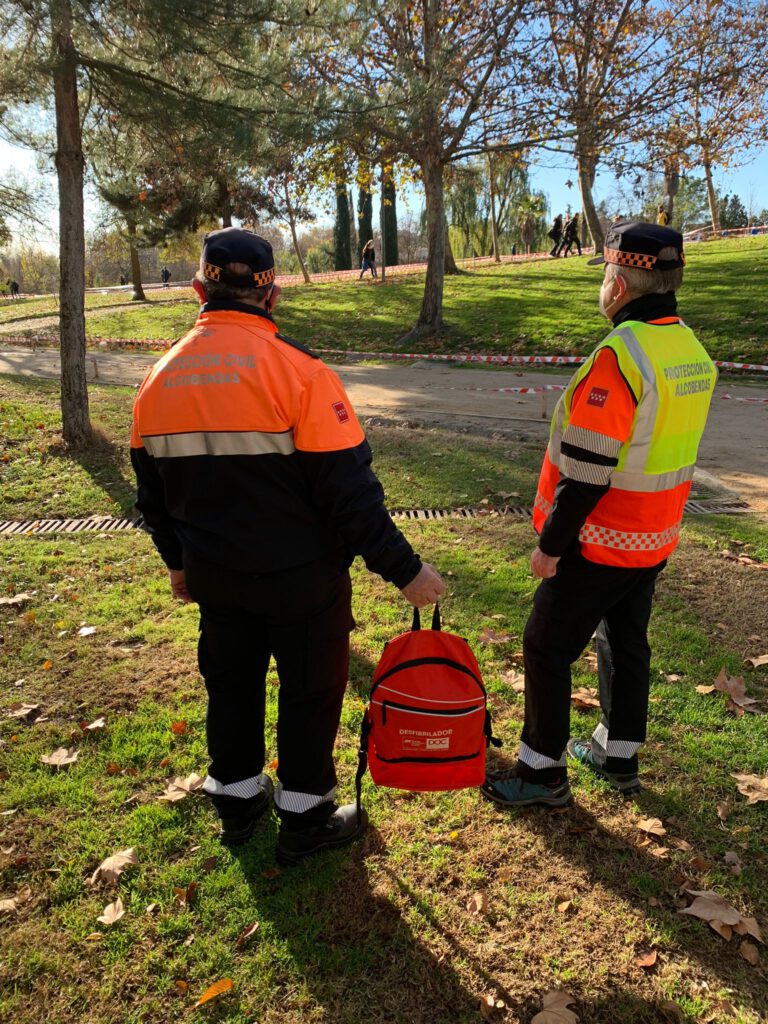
221, 290
649, 282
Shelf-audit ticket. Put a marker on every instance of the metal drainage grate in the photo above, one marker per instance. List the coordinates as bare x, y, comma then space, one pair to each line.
107, 524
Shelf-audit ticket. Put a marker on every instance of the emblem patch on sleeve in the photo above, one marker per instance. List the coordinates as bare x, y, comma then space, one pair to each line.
597, 396
341, 412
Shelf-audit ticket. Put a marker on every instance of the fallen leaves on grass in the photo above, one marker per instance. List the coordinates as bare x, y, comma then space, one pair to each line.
585, 698
555, 1009
110, 869
653, 826
514, 679
18, 601
489, 636
210, 863
180, 987
112, 912
721, 916
218, 988
246, 934
185, 895
178, 728
753, 787
477, 904
761, 659
47, 665
86, 631
733, 861
95, 726
489, 1005
564, 906
23, 711
12, 903
179, 789
61, 757
735, 690
749, 951
270, 873
646, 958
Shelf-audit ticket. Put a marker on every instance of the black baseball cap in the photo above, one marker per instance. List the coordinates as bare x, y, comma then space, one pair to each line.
633, 243
236, 245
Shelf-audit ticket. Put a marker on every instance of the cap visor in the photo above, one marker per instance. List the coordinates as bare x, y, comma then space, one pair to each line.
596, 261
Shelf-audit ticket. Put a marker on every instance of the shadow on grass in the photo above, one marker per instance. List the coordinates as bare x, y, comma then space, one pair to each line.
105, 462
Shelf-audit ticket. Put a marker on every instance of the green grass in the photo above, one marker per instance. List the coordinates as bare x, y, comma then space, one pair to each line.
548, 306
38, 479
381, 932
45, 306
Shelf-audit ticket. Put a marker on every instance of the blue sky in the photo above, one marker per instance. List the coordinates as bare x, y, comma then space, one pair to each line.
750, 182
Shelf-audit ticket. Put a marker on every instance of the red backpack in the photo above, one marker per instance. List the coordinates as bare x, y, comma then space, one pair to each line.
427, 725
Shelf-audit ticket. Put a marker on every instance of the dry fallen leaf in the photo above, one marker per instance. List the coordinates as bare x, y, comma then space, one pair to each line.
112, 912
17, 601
724, 930
210, 863
673, 677
180, 987
23, 710
749, 926
734, 687
709, 906
564, 907
86, 631
555, 1010
179, 789
723, 810
9, 905
652, 826
270, 873
701, 864
585, 698
680, 844
489, 1005
94, 937
185, 895
488, 636
753, 787
247, 933
47, 665
61, 757
749, 951
661, 852
178, 728
110, 869
761, 659
273, 765
217, 989
705, 689
646, 958
95, 725
478, 904
734, 863
514, 679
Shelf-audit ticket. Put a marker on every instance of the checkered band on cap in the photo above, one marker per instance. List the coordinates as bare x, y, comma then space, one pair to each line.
212, 272
263, 277
629, 259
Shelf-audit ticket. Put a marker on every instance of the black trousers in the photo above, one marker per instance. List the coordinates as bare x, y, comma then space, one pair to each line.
584, 597
303, 618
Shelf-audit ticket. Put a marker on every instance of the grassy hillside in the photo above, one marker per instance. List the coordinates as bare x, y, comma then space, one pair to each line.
544, 306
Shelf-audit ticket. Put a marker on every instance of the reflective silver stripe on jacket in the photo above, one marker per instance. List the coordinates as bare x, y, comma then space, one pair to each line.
651, 482
619, 540
219, 442
647, 409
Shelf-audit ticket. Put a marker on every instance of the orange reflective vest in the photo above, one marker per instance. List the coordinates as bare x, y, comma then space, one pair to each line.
642, 396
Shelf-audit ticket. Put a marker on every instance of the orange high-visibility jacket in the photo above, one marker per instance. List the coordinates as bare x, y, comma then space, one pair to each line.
247, 452
627, 430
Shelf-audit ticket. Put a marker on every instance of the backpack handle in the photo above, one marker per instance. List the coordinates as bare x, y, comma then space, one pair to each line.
435, 619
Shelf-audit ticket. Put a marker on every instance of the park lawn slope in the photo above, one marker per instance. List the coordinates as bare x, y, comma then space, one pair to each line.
384, 931
544, 306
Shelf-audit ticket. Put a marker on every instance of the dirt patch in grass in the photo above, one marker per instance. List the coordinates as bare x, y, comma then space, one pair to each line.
730, 599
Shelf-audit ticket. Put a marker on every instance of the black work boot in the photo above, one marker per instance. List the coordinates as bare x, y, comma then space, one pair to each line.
238, 828
340, 828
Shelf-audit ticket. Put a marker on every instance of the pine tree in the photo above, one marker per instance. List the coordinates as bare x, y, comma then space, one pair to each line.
390, 255
342, 249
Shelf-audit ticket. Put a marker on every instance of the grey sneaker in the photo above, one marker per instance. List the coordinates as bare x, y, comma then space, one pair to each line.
507, 789
581, 751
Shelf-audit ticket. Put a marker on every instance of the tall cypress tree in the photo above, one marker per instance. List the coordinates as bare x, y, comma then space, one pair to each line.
352, 221
364, 220
390, 255
342, 249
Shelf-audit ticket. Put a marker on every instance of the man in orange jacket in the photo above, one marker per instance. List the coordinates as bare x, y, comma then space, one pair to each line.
615, 478
255, 484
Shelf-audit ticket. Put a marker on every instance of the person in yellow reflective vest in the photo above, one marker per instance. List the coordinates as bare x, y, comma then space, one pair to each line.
615, 478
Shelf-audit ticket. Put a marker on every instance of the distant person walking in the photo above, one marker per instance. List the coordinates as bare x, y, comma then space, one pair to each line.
122, 280
165, 276
662, 217
13, 287
556, 233
570, 236
368, 259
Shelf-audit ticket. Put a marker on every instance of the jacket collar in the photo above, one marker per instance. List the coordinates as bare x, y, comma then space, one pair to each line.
233, 306
647, 307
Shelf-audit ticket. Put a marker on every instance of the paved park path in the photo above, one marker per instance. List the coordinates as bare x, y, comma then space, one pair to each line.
734, 448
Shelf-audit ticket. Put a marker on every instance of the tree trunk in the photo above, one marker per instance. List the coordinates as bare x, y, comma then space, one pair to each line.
225, 203
392, 255
342, 253
364, 220
352, 224
138, 290
294, 236
430, 320
587, 168
450, 261
383, 231
494, 226
711, 195
70, 166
